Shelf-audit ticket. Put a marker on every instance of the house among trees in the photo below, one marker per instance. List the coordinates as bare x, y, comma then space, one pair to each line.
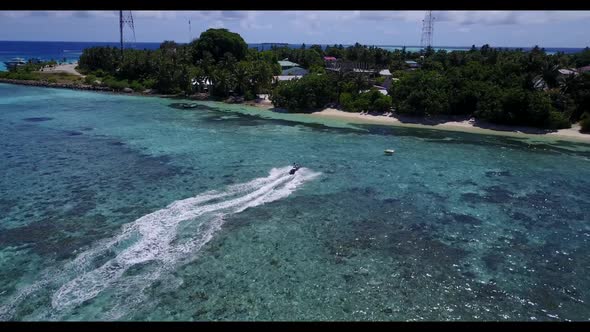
203, 85
567, 72
281, 78
289, 68
564, 74
286, 64
297, 71
385, 72
412, 64
289, 71
540, 84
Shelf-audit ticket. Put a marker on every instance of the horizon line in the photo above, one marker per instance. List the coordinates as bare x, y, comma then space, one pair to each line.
310, 44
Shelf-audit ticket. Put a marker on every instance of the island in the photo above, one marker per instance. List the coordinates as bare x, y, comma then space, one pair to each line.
490, 88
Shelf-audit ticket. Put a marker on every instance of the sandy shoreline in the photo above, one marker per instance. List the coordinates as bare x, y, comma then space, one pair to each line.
469, 125
446, 123
443, 123
69, 68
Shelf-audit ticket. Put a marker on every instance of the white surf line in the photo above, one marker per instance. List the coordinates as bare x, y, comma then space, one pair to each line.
158, 230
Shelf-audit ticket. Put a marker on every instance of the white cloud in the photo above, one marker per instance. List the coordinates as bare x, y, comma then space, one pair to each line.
253, 21
217, 24
155, 14
317, 22
403, 15
508, 17
58, 13
329, 17
94, 13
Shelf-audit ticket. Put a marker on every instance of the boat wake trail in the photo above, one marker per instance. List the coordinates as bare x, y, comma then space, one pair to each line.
154, 244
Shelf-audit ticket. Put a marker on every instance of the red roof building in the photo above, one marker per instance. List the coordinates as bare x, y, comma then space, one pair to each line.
329, 58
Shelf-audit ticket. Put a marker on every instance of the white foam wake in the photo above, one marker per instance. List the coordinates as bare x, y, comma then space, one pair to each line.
154, 239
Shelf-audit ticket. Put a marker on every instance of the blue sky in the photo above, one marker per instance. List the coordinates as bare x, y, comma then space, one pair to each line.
452, 28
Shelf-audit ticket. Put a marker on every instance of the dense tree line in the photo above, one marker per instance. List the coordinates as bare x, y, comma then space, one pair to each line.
309, 93
502, 86
218, 56
514, 87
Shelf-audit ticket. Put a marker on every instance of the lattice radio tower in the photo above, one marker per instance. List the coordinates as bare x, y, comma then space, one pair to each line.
427, 30
126, 21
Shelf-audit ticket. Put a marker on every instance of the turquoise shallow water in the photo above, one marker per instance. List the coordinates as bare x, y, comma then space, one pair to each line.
126, 208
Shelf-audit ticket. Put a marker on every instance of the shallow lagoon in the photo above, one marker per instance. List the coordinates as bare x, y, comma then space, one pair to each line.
125, 208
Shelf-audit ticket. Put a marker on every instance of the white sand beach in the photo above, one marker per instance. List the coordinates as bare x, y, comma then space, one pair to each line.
69, 68
466, 125
442, 123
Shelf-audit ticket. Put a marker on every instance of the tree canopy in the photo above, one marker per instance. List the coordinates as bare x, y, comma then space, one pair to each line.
502, 86
219, 42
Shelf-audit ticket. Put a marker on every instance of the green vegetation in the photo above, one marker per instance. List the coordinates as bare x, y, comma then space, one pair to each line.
490, 84
510, 87
218, 55
40, 76
306, 94
498, 86
30, 72
216, 43
371, 101
421, 93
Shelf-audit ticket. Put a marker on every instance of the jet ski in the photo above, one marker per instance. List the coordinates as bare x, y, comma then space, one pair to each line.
294, 169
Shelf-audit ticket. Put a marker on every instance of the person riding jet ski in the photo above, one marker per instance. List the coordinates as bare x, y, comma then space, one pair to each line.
294, 169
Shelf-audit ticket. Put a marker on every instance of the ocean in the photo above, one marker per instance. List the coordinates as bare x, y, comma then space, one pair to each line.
58, 51
71, 51
128, 208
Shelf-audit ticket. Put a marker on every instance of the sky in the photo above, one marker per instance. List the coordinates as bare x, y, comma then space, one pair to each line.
451, 28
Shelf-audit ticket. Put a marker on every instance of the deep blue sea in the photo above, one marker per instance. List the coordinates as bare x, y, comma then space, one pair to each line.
71, 51
128, 208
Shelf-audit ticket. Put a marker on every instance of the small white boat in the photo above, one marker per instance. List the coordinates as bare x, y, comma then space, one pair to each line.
389, 151
15, 62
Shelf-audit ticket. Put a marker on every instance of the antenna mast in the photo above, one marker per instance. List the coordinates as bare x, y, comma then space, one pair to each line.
190, 33
126, 19
427, 30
